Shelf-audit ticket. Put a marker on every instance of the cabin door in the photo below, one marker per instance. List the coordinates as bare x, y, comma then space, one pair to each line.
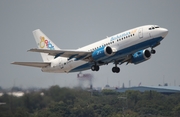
140, 33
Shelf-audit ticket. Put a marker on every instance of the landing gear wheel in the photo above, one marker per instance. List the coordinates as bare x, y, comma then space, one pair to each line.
115, 69
95, 68
153, 51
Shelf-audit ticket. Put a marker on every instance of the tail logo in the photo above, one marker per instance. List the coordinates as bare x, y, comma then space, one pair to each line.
45, 43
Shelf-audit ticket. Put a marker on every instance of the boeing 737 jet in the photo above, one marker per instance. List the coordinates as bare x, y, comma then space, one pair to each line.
130, 46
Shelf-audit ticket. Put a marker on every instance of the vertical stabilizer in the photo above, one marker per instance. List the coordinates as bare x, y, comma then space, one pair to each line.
43, 42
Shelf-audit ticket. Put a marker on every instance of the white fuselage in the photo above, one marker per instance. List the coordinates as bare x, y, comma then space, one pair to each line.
123, 44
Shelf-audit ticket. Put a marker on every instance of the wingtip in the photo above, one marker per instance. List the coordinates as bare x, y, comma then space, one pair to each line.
13, 63
31, 50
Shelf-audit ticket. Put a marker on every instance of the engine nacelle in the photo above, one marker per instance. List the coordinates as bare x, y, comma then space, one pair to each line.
141, 56
102, 53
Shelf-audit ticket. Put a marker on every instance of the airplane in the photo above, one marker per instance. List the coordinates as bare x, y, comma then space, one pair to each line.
130, 46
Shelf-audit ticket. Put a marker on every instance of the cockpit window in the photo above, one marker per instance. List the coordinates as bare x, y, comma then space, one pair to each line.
153, 27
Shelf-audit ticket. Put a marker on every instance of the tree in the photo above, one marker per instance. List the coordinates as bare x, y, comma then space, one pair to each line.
176, 110
66, 102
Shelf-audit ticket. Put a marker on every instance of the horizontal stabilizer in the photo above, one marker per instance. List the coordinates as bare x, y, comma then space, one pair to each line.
33, 64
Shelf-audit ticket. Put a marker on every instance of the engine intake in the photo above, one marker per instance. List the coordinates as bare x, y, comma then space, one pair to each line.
141, 56
108, 50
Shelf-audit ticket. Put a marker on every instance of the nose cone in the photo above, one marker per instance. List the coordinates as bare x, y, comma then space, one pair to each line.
164, 32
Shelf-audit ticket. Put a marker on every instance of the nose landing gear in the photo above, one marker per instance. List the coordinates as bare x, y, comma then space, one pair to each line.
153, 51
115, 69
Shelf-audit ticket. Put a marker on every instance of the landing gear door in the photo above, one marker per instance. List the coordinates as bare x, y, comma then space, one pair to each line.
61, 64
140, 32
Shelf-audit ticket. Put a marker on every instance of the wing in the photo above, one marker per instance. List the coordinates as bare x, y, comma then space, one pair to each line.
64, 53
125, 59
33, 64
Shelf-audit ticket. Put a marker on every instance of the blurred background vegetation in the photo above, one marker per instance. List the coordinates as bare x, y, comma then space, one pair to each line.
67, 102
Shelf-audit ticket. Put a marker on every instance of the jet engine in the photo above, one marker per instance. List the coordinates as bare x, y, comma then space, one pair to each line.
140, 56
102, 53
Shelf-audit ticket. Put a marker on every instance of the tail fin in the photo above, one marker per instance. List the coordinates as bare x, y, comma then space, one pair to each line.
43, 42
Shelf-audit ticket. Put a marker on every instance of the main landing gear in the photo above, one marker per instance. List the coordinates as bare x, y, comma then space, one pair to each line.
115, 69
95, 68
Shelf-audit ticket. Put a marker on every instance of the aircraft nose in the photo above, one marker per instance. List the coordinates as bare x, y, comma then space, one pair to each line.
164, 32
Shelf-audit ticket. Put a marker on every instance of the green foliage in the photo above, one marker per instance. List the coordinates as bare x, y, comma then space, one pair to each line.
109, 92
176, 110
66, 102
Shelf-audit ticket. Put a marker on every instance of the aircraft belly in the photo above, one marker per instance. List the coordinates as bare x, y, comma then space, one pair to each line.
73, 65
81, 67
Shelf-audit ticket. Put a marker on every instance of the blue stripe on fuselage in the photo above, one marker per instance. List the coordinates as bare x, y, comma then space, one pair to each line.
123, 52
133, 49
